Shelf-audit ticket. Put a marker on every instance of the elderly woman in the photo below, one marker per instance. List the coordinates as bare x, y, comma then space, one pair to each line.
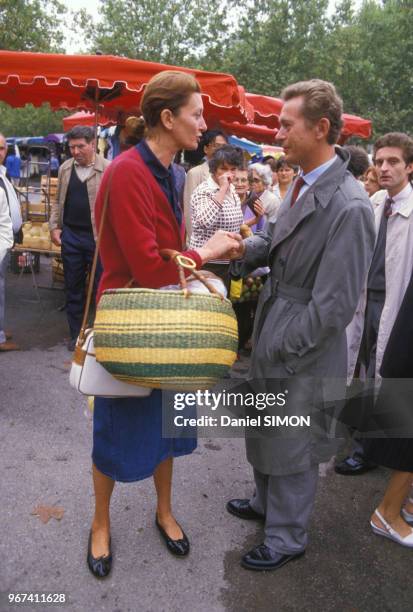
253, 213
260, 179
143, 217
215, 205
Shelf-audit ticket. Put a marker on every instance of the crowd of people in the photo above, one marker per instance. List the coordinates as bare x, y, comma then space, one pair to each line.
329, 232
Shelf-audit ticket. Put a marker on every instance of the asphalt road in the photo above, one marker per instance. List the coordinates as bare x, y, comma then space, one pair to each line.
45, 459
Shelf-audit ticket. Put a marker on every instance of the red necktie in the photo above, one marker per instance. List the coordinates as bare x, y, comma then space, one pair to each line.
299, 182
388, 207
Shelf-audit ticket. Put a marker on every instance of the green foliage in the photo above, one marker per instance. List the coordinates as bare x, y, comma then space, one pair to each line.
167, 31
30, 121
31, 25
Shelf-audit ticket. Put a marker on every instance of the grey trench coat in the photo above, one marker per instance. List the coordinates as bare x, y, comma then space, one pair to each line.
319, 252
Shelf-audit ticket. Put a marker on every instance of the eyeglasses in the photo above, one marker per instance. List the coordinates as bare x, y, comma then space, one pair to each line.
255, 180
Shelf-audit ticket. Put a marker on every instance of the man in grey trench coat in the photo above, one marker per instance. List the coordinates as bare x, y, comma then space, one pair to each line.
319, 252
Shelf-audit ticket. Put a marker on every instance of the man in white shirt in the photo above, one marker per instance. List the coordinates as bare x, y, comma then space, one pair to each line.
10, 223
211, 141
389, 273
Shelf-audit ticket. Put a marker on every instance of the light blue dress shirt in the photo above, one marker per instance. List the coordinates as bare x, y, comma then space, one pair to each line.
311, 177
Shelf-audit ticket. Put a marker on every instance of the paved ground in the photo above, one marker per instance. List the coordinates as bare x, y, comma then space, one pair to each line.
45, 442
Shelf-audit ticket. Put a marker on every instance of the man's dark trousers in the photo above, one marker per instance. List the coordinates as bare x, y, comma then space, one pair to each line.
78, 248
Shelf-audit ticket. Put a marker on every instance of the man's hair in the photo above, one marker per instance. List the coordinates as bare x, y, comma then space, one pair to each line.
81, 131
396, 139
320, 100
209, 136
226, 155
359, 160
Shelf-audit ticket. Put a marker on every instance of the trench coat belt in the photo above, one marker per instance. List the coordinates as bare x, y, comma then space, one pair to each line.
289, 292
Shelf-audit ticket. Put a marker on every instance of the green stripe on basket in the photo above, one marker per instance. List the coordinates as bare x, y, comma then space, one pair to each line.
154, 340
167, 300
201, 371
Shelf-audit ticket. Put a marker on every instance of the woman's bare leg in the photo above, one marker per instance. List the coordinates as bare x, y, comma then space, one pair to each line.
103, 486
390, 506
162, 477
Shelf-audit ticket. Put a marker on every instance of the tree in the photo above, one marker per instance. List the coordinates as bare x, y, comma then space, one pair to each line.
169, 31
30, 121
31, 25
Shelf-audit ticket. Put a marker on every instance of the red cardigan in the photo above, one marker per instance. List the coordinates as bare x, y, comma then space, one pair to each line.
139, 222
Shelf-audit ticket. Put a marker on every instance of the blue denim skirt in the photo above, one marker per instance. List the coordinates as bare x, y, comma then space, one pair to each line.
127, 437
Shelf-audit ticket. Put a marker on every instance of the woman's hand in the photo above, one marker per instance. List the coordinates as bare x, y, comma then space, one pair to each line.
259, 208
222, 245
224, 181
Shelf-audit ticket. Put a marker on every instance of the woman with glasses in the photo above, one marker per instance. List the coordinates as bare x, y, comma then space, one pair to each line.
260, 179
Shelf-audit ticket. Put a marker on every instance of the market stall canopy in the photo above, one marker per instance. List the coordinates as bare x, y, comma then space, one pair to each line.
250, 147
114, 84
258, 133
267, 112
85, 118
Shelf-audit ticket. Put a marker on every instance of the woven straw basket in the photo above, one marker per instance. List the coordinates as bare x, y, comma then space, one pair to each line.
165, 339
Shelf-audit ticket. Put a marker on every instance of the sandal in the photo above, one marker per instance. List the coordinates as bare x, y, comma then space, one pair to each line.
389, 532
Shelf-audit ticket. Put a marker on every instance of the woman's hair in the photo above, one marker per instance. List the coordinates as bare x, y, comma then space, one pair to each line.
372, 170
134, 131
226, 155
282, 163
263, 171
169, 89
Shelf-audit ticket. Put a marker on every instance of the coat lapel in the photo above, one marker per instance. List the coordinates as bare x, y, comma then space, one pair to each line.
290, 217
321, 192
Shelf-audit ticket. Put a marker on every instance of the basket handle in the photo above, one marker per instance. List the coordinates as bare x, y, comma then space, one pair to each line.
183, 262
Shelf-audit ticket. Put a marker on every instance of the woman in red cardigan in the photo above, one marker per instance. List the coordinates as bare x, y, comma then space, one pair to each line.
143, 217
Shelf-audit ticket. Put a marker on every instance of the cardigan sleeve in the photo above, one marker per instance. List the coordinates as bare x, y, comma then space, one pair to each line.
140, 228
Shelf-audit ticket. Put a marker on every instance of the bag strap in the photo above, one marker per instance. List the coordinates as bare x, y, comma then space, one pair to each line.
181, 261
82, 334
184, 262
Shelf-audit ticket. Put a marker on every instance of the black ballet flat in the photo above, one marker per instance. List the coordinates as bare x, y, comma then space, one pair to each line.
179, 548
100, 566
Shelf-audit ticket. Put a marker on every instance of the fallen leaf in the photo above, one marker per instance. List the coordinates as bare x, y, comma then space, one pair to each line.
45, 513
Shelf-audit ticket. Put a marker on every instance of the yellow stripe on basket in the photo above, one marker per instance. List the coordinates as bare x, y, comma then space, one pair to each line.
170, 382
166, 317
167, 355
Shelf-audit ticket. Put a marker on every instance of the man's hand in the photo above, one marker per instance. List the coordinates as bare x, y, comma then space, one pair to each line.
55, 237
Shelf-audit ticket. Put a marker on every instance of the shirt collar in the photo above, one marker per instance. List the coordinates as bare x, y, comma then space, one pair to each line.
311, 177
88, 165
403, 194
150, 159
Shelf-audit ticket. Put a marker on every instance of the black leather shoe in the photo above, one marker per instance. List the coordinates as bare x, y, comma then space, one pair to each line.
99, 566
351, 466
180, 548
262, 558
242, 509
